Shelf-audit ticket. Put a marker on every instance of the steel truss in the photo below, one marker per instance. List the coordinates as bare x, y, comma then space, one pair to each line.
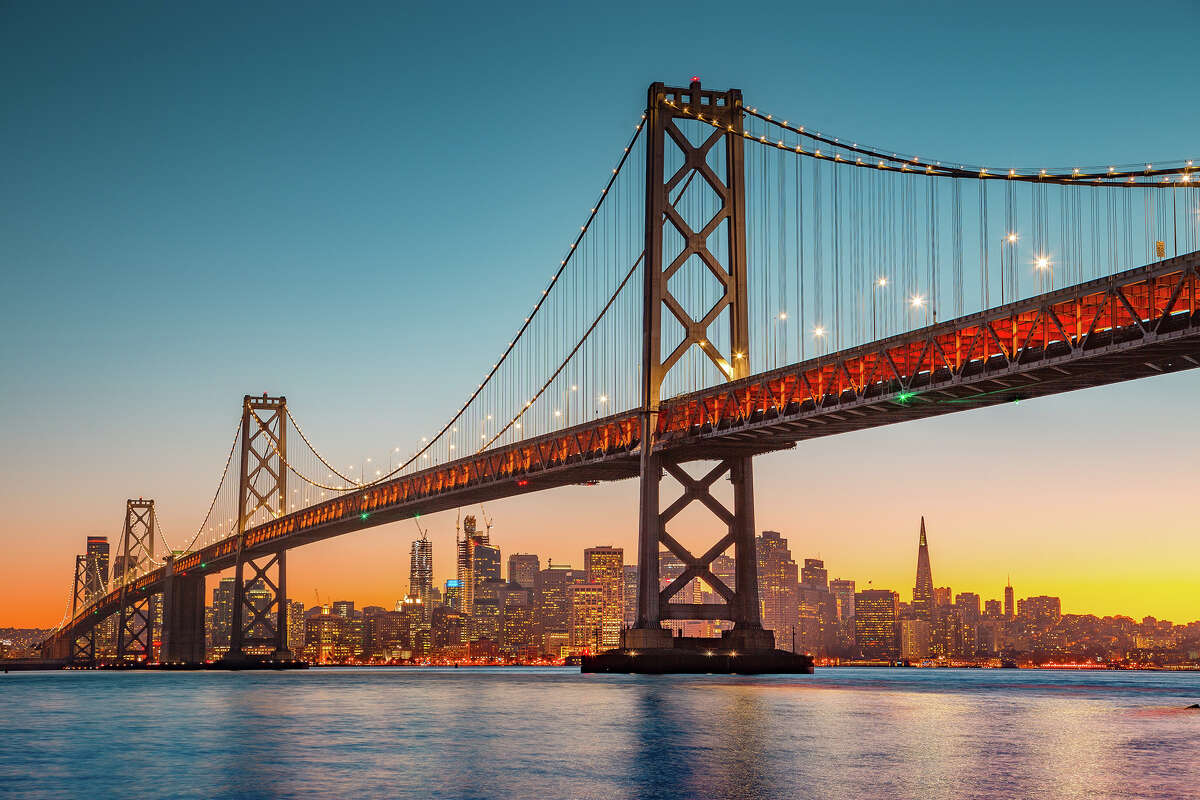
262, 496
135, 622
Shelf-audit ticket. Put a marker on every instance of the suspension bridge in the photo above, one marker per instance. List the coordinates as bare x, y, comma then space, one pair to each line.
741, 283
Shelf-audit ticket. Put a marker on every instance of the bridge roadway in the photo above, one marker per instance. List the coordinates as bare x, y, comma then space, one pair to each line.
1135, 324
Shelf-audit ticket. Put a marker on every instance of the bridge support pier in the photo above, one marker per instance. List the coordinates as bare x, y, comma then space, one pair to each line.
183, 620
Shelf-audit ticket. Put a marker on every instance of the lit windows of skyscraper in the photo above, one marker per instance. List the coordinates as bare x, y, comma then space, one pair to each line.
295, 627
605, 568
843, 592
523, 569
420, 571
1041, 612
778, 588
452, 596
222, 617
914, 639
96, 566
992, 609
876, 615
554, 606
467, 563
517, 635
814, 574
343, 608
1009, 607
629, 615
587, 617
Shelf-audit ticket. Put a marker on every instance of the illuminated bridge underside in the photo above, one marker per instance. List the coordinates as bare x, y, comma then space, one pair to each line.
1135, 324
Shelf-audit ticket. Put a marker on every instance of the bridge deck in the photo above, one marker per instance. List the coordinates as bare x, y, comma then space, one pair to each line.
1135, 324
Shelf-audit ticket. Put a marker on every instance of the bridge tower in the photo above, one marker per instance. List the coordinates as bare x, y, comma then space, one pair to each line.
83, 643
135, 620
667, 106
259, 619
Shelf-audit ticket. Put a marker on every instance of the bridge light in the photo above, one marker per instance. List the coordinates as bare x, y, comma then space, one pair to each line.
603, 398
574, 387
881, 282
818, 331
904, 397
917, 300
1012, 237
363, 515
738, 355
783, 315
557, 413
1042, 262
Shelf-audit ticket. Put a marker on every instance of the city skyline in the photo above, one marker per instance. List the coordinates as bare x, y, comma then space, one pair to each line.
368, 216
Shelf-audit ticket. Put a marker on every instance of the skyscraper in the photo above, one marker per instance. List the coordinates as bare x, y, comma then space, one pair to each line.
587, 616
96, 564
420, 571
814, 573
778, 587
876, 615
523, 569
222, 617
629, 617
1009, 609
605, 568
923, 591
553, 616
467, 568
843, 592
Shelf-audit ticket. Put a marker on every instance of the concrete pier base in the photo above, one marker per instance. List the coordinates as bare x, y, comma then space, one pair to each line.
656, 652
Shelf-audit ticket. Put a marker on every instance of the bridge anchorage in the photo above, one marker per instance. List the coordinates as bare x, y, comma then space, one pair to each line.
750, 234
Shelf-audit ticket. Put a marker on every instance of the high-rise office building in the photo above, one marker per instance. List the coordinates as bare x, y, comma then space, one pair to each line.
420, 571
923, 603
447, 628
814, 574
222, 617
295, 627
523, 569
914, 639
517, 634
467, 566
605, 568
778, 589
95, 580
587, 616
343, 608
992, 609
843, 593
553, 616
1009, 606
876, 615
629, 615
452, 594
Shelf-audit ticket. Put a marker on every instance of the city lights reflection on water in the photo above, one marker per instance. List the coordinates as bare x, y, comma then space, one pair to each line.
499, 733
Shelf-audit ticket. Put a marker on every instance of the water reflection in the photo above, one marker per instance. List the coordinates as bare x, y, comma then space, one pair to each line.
554, 733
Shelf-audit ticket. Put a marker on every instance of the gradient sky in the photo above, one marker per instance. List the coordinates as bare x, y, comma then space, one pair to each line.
354, 205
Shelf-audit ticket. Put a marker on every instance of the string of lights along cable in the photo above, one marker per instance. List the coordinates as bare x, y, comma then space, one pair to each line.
846, 244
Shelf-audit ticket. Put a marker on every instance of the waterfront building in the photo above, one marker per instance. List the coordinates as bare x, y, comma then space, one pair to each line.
1041, 612
914, 639
553, 615
447, 628
588, 603
222, 617
517, 634
295, 627
876, 617
605, 568
778, 588
328, 638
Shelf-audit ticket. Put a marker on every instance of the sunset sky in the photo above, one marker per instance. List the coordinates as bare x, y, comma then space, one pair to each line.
354, 207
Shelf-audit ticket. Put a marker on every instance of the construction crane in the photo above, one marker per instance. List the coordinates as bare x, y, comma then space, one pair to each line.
424, 533
487, 521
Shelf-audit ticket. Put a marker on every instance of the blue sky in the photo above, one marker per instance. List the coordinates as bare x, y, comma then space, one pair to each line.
354, 204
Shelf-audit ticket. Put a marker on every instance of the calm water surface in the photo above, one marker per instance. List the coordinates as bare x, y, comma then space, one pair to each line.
553, 733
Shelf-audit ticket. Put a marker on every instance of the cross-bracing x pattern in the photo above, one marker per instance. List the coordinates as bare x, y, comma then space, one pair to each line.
263, 486
83, 644
697, 489
256, 616
696, 243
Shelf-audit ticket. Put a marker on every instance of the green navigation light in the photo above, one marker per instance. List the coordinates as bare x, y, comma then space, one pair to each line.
364, 515
904, 397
